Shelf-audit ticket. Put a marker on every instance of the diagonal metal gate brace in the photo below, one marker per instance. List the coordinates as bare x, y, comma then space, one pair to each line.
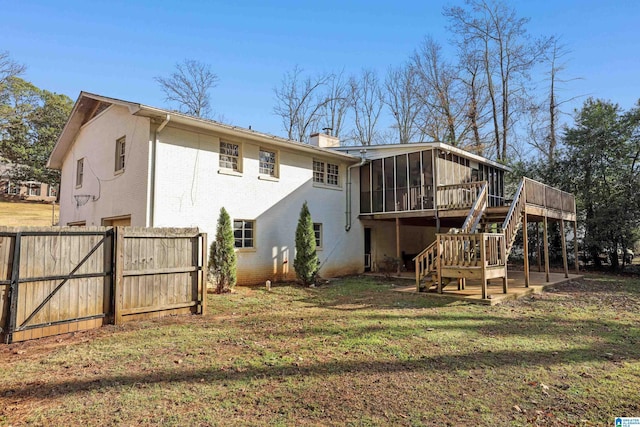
66, 279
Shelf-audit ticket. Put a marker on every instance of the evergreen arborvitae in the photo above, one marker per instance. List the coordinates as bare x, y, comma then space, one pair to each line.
222, 256
306, 261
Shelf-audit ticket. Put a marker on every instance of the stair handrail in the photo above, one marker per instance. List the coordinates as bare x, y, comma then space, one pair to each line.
510, 223
430, 255
477, 209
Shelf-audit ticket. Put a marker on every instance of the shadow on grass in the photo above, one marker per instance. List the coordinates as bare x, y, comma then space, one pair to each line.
440, 363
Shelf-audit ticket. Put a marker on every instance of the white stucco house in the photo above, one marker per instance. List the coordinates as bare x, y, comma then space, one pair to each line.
124, 163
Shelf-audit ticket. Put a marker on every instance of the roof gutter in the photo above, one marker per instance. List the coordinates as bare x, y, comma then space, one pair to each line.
363, 161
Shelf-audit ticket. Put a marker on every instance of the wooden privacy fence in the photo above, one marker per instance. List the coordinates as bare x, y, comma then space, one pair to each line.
59, 280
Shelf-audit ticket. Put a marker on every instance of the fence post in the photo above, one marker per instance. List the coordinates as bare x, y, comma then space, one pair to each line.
118, 260
13, 289
202, 286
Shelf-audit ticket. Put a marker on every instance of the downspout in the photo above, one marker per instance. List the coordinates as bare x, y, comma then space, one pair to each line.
363, 161
152, 171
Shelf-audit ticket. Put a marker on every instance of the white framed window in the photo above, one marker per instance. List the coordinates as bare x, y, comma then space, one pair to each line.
33, 189
12, 188
268, 163
318, 172
121, 144
79, 172
244, 233
230, 156
317, 231
52, 191
326, 173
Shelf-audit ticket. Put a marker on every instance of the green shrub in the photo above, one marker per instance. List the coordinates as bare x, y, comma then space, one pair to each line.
222, 256
306, 261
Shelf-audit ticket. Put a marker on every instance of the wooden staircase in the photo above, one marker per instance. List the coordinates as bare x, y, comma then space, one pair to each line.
467, 249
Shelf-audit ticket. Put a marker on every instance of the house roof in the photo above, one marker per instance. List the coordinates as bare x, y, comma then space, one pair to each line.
372, 152
89, 105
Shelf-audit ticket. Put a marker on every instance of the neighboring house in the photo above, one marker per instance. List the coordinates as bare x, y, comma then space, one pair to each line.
124, 163
11, 189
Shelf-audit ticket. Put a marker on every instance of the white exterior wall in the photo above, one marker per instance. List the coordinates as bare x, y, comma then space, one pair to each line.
190, 190
117, 194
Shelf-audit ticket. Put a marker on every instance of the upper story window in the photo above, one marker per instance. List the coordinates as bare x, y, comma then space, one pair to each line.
326, 173
268, 163
230, 156
120, 153
79, 172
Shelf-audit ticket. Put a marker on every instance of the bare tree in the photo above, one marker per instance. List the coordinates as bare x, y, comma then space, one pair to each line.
189, 87
476, 96
545, 116
366, 102
335, 104
508, 53
299, 103
440, 93
9, 68
401, 96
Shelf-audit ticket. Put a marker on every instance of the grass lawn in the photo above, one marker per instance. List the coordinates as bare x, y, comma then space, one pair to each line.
15, 214
349, 353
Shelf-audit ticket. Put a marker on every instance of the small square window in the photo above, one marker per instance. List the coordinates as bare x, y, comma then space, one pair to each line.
243, 233
268, 163
120, 152
317, 230
230, 156
79, 172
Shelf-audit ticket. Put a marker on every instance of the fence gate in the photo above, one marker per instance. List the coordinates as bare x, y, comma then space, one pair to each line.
54, 281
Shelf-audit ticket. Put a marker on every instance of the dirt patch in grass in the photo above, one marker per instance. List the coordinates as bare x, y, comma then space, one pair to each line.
348, 353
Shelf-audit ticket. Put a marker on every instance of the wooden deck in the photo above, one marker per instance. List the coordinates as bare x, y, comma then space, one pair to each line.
473, 293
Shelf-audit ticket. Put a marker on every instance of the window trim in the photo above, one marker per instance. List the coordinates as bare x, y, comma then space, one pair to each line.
79, 172
276, 164
325, 172
239, 162
12, 186
120, 154
253, 237
319, 237
34, 190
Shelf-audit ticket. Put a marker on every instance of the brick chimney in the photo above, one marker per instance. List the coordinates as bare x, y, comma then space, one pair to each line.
324, 140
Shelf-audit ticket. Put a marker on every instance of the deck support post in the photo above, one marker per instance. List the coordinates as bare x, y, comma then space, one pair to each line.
439, 263
505, 278
546, 249
525, 244
398, 254
564, 250
539, 252
483, 260
575, 244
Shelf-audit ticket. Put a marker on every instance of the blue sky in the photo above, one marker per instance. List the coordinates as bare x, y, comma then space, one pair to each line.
115, 48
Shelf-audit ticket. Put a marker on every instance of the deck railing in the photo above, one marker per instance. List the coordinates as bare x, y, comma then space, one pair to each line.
472, 250
548, 197
514, 216
458, 196
426, 263
475, 213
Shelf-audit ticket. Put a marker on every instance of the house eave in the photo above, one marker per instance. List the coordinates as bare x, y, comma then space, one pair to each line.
160, 114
